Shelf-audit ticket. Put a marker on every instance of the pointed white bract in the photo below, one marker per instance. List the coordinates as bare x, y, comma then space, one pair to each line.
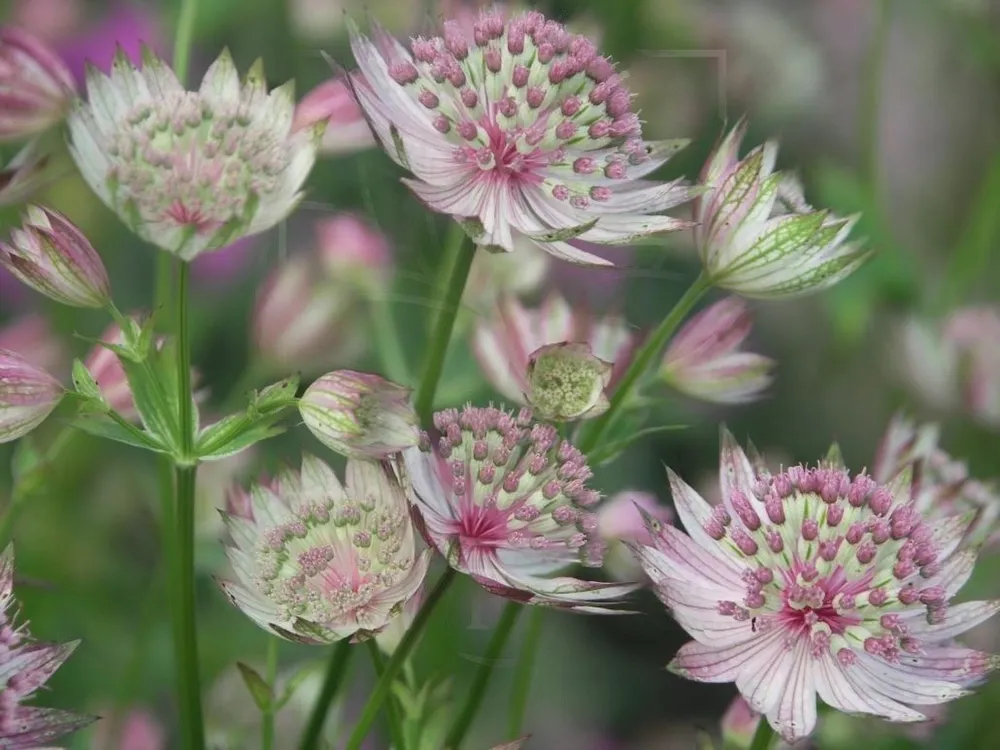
519, 129
756, 235
317, 561
811, 583
25, 667
28, 395
942, 485
704, 359
506, 502
504, 341
191, 171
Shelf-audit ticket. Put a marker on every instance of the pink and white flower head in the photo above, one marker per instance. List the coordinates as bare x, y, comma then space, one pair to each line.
191, 171
810, 582
352, 250
504, 342
567, 382
506, 502
620, 519
359, 414
520, 130
756, 235
942, 485
300, 319
332, 104
36, 87
32, 338
317, 561
25, 667
28, 395
705, 361
53, 257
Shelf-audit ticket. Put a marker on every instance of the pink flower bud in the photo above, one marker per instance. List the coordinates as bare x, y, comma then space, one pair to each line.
360, 415
49, 254
35, 85
739, 724
352, 250
704, 360
28, 395
332, 102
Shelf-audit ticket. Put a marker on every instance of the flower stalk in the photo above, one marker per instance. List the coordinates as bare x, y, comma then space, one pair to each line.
763, 736
340, 657
522, 675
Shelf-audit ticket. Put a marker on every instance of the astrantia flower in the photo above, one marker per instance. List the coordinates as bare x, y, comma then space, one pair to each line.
191, 171
758, 237
566, 382
811, 582
520, 129
52, 256
35, 85
360, 414
704, 359
941, 484
506, 502
504, 342
318, 562
28, 395
25, 667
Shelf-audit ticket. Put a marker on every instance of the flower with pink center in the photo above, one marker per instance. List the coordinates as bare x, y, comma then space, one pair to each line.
942, 485
757, 236
191, 171
506, 502
35, 86
504, 342
317, 561
520, 129
331, 103
704, 359
811, 583
28, 395
25, 667
52, 256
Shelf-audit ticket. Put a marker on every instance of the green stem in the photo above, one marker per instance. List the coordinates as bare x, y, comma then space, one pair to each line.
455, 272
870, 109
645, 358
522, 675
335, 673
396, 661
395, 726
182, 39
763, 736
271, 674
477, 691
390, 348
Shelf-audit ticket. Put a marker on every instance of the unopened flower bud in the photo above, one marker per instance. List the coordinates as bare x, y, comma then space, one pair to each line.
28, 395
704, 360
36, 87
49, 254
359, 414
566, 382
739, 724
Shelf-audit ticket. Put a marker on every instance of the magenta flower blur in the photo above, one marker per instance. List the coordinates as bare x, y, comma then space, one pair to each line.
28, 395
504, 341
521, 129
622, 519
352, 250
333, 104
814, 583
704, 359
35, 86
53, 257
506, 502
942, 485
25, 667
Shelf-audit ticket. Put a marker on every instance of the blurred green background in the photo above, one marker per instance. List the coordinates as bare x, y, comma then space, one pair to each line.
890, 109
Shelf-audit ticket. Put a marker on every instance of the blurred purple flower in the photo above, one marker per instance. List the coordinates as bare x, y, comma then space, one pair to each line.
33, 338
129, 25
224, 265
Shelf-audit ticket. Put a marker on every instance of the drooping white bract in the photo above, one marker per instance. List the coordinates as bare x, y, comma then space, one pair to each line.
506, 502
318, 562
813, 583
522, 129
191, 171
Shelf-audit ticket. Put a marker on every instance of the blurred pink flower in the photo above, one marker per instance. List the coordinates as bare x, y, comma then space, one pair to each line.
107, 372
138, 729
704, 359
28, 394
225, 265
739, 723
32, 337
331, 102
35, 87
51, 20
350, 249
619, 520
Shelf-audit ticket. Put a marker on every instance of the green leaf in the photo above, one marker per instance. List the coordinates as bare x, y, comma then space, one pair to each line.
260, 691
84, 382
275, 396
152, 378
102, 426
237, 432
616, 446
295, 682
